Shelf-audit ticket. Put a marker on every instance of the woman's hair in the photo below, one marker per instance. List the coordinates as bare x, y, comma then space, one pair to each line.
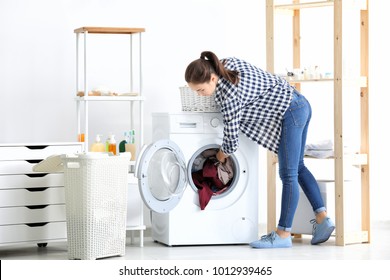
199, 71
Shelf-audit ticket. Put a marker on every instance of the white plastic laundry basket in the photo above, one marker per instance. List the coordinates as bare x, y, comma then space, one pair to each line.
96, 204
191, 101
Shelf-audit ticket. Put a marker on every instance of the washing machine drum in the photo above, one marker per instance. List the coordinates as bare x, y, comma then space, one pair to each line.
161, 173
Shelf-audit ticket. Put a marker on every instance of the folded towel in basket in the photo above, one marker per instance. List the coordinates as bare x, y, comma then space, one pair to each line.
51, 164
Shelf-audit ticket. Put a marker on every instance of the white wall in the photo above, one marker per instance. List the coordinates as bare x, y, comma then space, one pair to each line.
37, 63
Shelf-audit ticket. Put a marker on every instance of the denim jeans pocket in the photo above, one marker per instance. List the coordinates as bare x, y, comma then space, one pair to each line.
298, 113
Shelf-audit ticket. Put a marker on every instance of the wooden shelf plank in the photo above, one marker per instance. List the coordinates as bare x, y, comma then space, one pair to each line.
110, 98
362, 81
295, 81
298, 6
109, 30
353, 159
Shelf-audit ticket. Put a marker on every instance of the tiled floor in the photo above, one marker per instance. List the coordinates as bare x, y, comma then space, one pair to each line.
378, 249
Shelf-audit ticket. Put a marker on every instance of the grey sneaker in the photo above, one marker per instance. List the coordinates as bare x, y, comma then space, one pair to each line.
322, 232
272, 240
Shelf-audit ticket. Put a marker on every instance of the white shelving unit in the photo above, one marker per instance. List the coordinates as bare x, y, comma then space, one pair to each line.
133, 98
82, 77
348, 16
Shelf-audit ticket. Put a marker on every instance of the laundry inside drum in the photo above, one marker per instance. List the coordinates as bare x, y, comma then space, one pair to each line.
210, 178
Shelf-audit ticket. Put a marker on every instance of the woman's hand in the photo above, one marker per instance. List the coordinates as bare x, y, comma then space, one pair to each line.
221, 157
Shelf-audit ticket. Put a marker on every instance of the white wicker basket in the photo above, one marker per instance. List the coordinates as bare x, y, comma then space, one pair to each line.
96, 204
191, 101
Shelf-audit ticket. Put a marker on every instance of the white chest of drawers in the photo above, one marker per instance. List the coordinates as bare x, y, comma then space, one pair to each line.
32, 204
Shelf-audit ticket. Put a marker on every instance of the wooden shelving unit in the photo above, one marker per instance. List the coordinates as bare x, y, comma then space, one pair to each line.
341, 93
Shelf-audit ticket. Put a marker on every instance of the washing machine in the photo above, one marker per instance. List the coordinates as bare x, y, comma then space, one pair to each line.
164, 170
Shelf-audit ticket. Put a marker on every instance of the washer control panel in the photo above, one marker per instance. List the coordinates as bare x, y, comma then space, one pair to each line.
188, 122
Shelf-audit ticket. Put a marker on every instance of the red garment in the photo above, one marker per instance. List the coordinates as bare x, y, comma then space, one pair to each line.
210, 170
204, 190
205, 180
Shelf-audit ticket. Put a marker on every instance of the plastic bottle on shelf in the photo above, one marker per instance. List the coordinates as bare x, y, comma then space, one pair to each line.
81, 137
107, 143
98, 146
131, 146
122, 144
112, 144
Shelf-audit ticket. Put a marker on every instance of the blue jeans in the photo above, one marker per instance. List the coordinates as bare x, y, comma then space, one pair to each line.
292, 169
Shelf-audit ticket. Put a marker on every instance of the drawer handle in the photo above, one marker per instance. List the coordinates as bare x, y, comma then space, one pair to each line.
38, 147
32, 207
36, 224
36, 189
73, 165
33, 160
187, 125
36, 175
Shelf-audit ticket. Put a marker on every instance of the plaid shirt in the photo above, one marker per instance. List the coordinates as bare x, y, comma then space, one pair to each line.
255, 106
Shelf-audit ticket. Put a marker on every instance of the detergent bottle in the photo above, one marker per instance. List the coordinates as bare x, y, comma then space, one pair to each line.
122, 144
112, 144
98, 146
130, 145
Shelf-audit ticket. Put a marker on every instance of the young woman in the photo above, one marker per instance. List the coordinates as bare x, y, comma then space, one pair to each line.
271, 112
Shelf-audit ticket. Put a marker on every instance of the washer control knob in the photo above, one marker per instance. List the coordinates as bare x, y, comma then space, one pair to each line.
214, 122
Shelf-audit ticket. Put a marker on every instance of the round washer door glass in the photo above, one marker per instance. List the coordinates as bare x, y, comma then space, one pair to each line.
162, 175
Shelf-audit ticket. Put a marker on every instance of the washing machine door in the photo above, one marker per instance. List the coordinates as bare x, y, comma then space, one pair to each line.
161, 173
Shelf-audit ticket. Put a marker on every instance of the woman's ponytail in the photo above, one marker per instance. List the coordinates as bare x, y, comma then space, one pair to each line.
199, 71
